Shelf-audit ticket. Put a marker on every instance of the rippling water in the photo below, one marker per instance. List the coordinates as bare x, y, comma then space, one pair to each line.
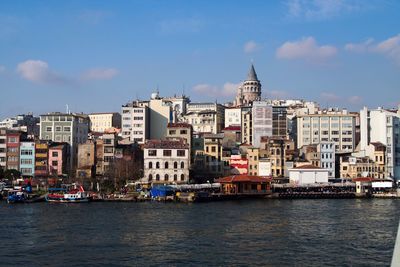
348, 232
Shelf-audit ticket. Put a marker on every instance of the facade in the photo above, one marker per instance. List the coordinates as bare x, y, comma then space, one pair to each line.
264, 167
233, 117
58, 159
213, 153
253, 156
3, 148
250, 89
337, 127
100, 122
205, 117
178, 104
247, 125
262, 121
25, 123
279, 121
69, 128
13, 147
382, 126
109, 144
239, 164
160, 115
86, 160
41, 158
308, 174
354, 167
245, 185
27, 158
166, 162
326, 150
279, 151
135, 122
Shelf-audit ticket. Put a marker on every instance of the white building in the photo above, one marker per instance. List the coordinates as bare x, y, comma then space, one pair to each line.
233, 116
135, 121
264, 167
380, 125
262, 121
337, 127
166, 162
308, 174
100, 122
205, 117
326, 150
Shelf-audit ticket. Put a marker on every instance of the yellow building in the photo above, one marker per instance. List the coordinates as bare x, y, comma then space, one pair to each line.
253, 157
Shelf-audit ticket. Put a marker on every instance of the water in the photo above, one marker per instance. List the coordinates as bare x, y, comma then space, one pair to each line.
348, 232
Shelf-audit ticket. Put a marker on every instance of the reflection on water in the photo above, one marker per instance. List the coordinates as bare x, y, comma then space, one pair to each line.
260, 232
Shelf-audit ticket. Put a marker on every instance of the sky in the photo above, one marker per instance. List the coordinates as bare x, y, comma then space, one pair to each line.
95, 56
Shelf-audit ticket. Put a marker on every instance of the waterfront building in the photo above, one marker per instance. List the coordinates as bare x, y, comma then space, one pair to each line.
3, 148
321, 155
308, 174
13, 149
100, 122
135, 121
213, 153
247, 125
328, 126
253, 157
109, 144
239, 164
279, 121
232, 136
41, 158
233, 116
62, 127
262, 121
58, 159
250, 90
279, 151
86, 160
245, 185
383, 126
161, 113
205, 117
166, 162
180, 131
27, 158
264, 167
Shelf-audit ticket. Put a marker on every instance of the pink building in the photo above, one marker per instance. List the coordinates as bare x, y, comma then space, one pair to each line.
58, 158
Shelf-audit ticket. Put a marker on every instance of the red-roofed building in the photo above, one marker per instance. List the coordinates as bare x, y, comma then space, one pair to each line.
245, 185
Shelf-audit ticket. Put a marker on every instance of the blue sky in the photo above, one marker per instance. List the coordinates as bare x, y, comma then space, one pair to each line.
97, 55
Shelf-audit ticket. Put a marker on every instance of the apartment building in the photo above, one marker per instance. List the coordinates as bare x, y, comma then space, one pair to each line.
205, 117
135, 121
100, 122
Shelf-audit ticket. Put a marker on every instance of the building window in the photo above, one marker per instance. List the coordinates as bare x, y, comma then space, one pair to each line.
49, 129
54, 163
157, 165
58, 128
166, 177
166, 165
150, 177
182, 177
54, 154
150, 165
67, 128
183, 131
172, 132
175, 177
167, 153
152, 152
157, 177
175, 165
182, 165
181, 153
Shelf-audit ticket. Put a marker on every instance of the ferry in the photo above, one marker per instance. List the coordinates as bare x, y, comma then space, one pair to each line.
63, 196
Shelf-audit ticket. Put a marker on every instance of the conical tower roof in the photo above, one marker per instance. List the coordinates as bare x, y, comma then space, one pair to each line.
252, 76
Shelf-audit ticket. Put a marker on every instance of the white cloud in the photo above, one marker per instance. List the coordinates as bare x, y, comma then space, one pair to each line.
251, 47
38, 71
331, 97
355, 99
323, 9
306, 48
228, 89
100, 74
389, 47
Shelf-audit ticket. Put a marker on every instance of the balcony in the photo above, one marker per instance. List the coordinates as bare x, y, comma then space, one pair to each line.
41, 155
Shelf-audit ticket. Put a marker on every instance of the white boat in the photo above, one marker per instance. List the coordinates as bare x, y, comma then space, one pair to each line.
72, 196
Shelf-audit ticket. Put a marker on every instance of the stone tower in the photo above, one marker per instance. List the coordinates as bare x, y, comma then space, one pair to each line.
250, 90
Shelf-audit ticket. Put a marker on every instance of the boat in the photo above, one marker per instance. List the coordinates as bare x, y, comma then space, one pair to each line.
16, 196
61, 195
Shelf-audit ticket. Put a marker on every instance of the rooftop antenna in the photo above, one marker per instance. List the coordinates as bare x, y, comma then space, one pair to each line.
183, 89
67, 108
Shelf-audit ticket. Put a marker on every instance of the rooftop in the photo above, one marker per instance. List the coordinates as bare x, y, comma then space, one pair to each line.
244, 178
166, 144
178, 125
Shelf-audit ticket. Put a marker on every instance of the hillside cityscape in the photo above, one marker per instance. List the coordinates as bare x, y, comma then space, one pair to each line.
172, 140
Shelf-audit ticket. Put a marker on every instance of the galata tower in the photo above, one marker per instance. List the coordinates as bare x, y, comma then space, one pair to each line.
250, 90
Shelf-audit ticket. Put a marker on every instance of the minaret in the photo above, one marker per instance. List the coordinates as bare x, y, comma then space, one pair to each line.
250, 90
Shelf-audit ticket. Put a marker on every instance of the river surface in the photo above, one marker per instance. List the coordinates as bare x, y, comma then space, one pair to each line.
332, 232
